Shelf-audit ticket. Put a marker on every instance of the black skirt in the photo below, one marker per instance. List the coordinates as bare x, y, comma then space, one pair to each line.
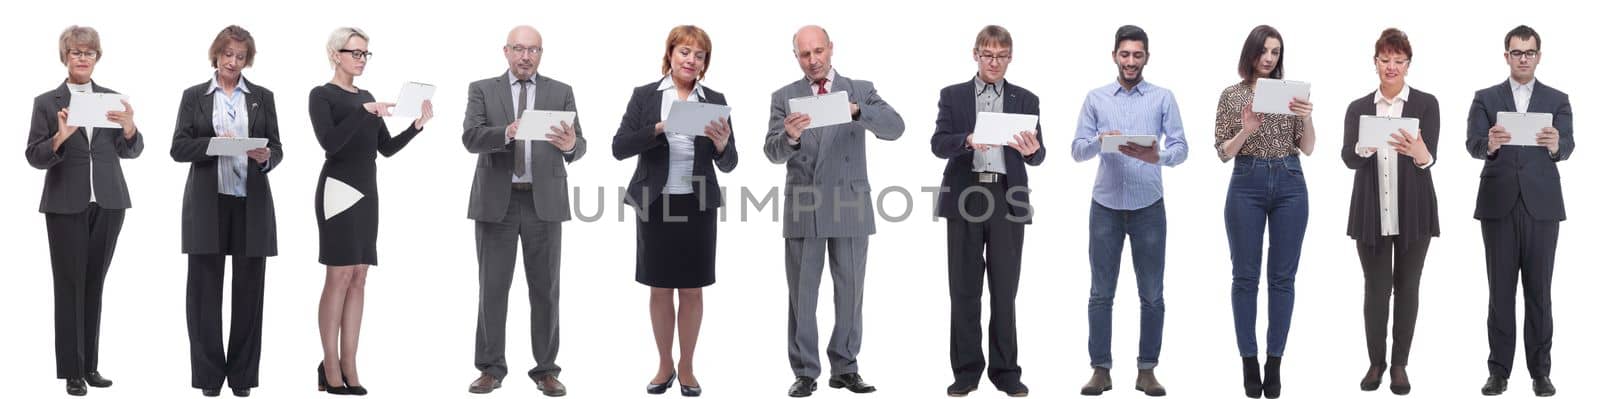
677, 243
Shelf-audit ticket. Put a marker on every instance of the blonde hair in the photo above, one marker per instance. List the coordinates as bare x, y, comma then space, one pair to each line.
338, 39
80, 36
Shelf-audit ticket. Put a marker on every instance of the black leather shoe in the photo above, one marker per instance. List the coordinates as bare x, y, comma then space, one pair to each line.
1252, 377
1494, 386
960, 389
1542, 387
1399, 382
1098, 383
1015, 390
690, 391
211, 392
241, 392
802, 387
95, 380
851, 381
1373, 379
76, 387
657, 389
1272, 382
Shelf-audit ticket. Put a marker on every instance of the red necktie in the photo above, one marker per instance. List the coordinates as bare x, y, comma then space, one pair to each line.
822, 86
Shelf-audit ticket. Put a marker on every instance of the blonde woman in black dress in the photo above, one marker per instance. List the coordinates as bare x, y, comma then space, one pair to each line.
349, 126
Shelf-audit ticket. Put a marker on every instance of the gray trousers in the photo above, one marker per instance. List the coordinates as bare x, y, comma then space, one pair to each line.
847, 259
497, 256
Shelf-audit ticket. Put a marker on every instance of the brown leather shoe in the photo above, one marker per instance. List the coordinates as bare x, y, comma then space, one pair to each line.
1098, 383
1147, 383
485, 383
550, 386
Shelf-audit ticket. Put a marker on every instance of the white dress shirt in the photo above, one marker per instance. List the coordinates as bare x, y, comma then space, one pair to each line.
88, 133
516, 108
680, 168
1522, 93
1388, 164
229, 114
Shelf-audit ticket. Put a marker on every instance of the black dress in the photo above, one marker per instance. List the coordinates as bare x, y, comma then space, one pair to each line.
351, 138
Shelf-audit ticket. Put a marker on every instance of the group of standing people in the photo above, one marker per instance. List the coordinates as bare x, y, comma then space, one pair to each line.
519, 196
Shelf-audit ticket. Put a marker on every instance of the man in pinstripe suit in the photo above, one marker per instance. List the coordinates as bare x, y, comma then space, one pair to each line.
827, 211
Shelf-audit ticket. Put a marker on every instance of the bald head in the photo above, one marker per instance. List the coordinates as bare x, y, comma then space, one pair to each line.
813, 49
524, 48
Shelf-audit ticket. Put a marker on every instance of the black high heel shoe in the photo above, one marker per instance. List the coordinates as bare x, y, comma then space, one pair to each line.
322, 383
657, 389
356, 390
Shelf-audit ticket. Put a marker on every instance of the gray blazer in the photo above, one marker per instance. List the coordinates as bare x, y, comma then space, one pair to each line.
67, 169
826, 193
489, 111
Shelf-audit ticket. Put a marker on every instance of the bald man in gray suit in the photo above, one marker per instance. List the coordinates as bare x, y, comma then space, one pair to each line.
827, 209
519, 190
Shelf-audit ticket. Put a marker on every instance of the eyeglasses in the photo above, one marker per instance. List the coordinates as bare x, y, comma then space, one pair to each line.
1393, 61
83, 54
521, 50
992, 58
358, 54
1529, 54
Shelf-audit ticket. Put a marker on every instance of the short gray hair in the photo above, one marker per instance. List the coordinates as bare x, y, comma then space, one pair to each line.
338, 39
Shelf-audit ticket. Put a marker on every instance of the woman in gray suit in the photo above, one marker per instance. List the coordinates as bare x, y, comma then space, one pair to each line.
227, 210
84, 202
674, 177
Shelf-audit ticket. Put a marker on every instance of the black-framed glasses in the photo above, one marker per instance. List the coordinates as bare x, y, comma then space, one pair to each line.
1524, 54
358, 54
83, 54
991, 58
528, 50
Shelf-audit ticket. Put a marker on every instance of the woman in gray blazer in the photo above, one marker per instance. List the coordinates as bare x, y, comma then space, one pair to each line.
84, 202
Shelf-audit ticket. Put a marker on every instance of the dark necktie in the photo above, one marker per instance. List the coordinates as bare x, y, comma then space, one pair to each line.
519, 151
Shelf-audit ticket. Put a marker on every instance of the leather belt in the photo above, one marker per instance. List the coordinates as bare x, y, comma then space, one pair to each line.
989, 177
522, 186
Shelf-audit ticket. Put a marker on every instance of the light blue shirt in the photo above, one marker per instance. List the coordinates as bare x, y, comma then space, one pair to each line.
230, 114
1125, 183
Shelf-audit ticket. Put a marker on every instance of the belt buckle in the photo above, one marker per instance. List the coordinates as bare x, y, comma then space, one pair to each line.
988, 177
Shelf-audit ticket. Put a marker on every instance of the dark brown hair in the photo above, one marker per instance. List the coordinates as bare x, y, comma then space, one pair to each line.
1392, 41
1254, 47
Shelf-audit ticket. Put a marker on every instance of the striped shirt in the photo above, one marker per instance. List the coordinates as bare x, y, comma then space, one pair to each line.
1125, 183
229, 114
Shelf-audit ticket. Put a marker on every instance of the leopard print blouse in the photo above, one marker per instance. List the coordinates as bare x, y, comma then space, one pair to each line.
1277, 137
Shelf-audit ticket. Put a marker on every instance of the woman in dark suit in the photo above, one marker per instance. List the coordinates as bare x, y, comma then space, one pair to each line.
1393, 211
675, 193
84, 202
227, 210
349, 126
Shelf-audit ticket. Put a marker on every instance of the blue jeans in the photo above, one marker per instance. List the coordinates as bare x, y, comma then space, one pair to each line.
1146, 229
1265, 194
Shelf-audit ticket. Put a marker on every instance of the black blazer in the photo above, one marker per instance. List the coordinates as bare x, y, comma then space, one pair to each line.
636, 136
66, 177
1419, 208
958, 115
1513, 171
190, 138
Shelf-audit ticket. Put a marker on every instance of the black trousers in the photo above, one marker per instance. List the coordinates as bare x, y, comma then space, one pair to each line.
242, 363
1391, 267
989, 244
81, 245
1513, 245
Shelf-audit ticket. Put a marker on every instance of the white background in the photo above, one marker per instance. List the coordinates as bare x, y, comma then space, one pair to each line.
421, 301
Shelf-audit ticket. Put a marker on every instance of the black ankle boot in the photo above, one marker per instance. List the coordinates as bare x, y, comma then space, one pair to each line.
1272, 385
1252, 377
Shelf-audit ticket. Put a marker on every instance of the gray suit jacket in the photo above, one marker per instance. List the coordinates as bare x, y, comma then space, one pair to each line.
489, 111
67, 169
826, 193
